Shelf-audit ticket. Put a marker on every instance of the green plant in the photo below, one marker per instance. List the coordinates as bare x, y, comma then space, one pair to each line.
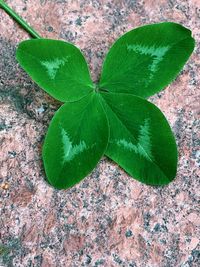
111, 117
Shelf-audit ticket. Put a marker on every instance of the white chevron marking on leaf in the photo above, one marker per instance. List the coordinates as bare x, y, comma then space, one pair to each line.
70, 151
157, 54
53, 66
143, 147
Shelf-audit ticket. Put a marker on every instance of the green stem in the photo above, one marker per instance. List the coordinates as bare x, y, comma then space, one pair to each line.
18, 19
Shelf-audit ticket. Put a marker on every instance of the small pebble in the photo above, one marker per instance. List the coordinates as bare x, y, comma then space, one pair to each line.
5, 186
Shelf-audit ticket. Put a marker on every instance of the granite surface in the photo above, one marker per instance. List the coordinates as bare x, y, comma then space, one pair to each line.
108, 219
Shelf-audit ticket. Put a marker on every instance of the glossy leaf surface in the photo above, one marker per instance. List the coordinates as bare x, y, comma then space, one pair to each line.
146, 59
56, 66
141, 140
76, 140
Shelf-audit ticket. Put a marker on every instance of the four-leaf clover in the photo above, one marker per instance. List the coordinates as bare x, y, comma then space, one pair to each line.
112, 117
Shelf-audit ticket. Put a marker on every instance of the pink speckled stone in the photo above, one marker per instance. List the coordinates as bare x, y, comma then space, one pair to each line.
108, 219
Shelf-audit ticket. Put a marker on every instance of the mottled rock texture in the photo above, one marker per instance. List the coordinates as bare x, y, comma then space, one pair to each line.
108, 219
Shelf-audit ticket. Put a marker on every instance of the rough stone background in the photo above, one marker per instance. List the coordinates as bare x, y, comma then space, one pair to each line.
108, 219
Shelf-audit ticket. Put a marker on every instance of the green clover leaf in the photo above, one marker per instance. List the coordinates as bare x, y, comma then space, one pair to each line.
56, 66
113, 117
76, 140
145, 60
141, 140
